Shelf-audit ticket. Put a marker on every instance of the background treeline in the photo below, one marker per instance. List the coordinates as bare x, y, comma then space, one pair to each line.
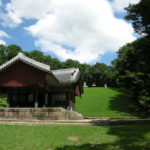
98, 74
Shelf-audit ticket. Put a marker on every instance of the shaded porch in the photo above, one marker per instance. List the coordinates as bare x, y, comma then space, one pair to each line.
38, 97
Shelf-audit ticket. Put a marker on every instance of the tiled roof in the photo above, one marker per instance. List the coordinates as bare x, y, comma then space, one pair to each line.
27, 60
70, 75
63, 76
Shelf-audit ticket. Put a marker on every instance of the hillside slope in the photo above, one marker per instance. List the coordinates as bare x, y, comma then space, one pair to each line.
98, 101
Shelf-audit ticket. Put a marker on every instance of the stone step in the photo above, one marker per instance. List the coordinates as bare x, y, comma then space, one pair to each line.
53, 122
73, 122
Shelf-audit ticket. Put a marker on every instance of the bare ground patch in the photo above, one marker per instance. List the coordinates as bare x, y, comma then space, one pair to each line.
73, 138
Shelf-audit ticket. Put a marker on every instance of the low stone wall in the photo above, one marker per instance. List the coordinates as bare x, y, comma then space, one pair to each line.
54, 113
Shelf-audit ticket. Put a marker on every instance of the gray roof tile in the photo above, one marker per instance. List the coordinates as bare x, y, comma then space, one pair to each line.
70, 75
26, 60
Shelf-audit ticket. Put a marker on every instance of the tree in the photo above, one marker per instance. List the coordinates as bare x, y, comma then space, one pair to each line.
2, 54
69, 63
87, 74
36, 55
111, 76
98, 72
103, 74
132, 64
12, 50
140, 15
8, 52
39, 56
133, 70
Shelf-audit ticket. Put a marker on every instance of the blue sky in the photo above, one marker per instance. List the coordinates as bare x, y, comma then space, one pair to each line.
84, 30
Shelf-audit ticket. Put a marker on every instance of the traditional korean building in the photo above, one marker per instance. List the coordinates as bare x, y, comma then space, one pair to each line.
29, 83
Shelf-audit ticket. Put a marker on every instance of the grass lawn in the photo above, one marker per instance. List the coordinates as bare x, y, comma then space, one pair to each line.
111, 102
3, 101
13, 137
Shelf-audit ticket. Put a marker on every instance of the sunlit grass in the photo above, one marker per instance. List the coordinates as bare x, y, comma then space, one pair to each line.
3, 100
13, 137
103, 102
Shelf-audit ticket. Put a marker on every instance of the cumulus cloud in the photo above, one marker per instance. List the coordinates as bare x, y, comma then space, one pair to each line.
119, 5
17, 10
3, 35
77, 29
2, 42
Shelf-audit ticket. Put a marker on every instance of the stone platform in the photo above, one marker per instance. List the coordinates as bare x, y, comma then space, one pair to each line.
83, 122
53, 113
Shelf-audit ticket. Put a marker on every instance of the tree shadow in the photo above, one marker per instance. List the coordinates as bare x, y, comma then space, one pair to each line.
128, 138
122, 102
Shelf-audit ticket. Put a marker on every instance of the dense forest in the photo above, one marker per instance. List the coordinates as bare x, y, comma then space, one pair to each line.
133, 62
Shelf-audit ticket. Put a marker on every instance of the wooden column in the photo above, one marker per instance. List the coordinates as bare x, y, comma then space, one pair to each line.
73, 101
45, 99
8, 99
70, 104
36, 100
17, 96
52, 100
26, 99
49, 104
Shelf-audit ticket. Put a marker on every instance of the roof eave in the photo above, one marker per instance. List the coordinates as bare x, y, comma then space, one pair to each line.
25, 59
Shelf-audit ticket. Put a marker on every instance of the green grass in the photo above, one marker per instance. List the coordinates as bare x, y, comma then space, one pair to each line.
109, 102
13, 137
3, 101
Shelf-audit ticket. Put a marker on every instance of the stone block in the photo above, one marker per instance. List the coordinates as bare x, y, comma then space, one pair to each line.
40, 114
53, 113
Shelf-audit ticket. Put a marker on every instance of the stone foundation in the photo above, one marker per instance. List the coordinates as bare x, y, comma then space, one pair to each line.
54, 113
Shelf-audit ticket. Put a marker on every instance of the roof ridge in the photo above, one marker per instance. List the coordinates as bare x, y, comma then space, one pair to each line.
65, 69
26, 60
40, 63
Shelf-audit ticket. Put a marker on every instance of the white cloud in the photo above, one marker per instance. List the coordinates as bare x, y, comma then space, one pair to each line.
88, 26
19, 9
2, 42
3, 35
119, 5
1, 4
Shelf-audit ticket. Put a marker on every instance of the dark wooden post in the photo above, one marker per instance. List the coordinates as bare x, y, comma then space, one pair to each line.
8, 99
73, 101
70, 101
52, 99
49, 104
26, 99
36, 100
17, 98
45, 99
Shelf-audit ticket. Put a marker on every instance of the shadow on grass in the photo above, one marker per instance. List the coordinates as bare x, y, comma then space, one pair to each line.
122, 102
107, 146
128, 138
